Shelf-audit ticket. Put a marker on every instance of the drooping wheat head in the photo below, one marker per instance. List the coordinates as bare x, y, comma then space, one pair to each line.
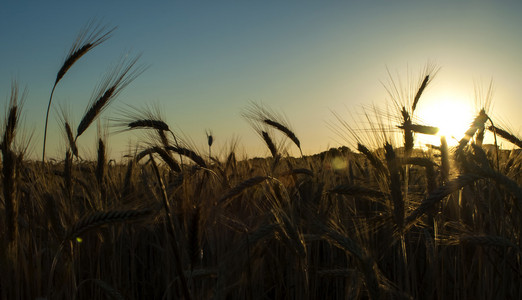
262, 115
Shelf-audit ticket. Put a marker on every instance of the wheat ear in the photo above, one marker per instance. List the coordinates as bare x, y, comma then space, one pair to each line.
419, 92
89, 37
190, 154
243, 186
506, 135
356, 190
423, 129
440, 193
109, 88
149, 123
374, 160
395, 186
269, 143
477, 123
173, 165
9, 164
100, 218
289, 133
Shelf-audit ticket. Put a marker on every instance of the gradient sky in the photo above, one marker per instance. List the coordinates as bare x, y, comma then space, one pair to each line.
208, 59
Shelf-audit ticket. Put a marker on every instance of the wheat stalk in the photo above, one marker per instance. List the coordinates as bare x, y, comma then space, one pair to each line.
67, 174
444, 160
172, 232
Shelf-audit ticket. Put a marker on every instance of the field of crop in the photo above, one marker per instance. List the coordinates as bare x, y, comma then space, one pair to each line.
383, 221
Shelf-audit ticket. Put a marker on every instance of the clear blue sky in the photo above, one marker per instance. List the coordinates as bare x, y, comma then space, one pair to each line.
208, 59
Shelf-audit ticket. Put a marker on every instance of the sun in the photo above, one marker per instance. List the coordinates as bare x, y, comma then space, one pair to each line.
452, 116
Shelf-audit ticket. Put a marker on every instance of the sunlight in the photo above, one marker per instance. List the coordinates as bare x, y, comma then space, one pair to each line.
452, 116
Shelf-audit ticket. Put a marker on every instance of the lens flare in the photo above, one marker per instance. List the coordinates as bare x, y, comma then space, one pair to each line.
452, 116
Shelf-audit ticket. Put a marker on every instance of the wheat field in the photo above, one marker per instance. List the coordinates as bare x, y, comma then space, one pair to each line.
381, 221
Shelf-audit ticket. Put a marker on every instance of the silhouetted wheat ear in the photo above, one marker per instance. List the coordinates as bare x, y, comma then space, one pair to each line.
102, 161
190, 154
395, 185
506, 135
110, 87
10, 126
356, 190
12, 117
444, 160
419, 92
89, 37
98, 219
243, 186
374, 160
154, 124
9, 165
210, 138
477, 123
210, 141
94, 110
163, 138
408, 133
173, 165
67, 174
423, 129
290, 134
231, 162
440, 193
127, 182
168, 159
270, 144
70, 139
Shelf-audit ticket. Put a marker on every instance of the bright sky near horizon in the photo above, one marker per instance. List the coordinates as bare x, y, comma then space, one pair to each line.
208, 59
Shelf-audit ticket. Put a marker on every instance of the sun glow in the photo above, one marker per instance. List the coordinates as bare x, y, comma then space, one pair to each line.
452, 116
